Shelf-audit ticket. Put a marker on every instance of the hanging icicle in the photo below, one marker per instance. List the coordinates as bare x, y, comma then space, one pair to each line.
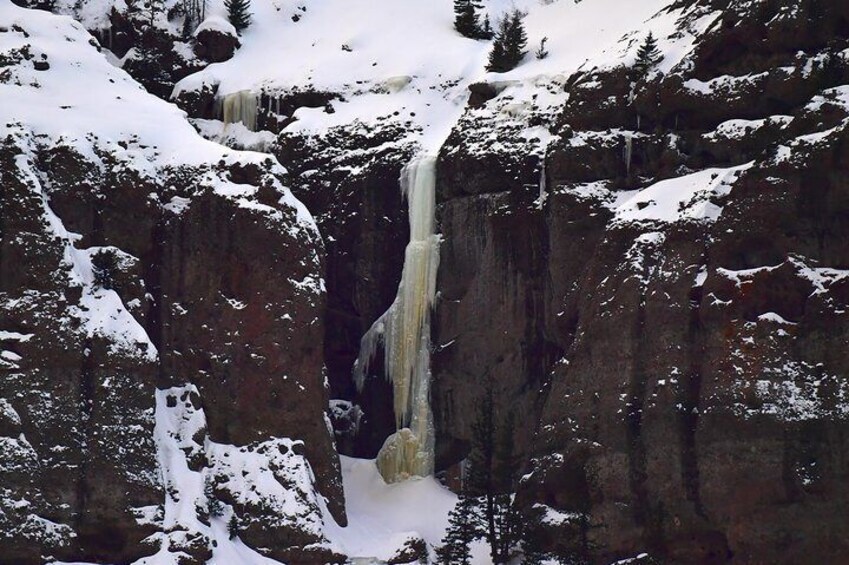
404, 331
543, 189
236, 107
629, 150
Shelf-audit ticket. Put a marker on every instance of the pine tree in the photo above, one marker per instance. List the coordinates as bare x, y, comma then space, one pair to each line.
505, 474
466, 18
238, 12
542, 52
194, 12
214, 505
462, 531
150, 9
485, 509
648, 56
517, 39
486, 31
510, 43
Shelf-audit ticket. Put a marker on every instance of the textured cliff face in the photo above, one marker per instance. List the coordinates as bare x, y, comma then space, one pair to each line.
650, 273
676, 347
160, 317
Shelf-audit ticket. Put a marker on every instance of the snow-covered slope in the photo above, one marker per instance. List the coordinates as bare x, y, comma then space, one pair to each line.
403, 61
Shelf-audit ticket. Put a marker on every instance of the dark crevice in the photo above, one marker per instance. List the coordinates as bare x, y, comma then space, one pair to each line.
634, 420
690, 396
85, 399
153, 279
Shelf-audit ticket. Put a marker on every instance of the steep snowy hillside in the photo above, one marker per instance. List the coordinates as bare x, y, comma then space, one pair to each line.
402, 62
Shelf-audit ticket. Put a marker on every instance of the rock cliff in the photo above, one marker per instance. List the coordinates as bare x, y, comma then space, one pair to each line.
649, 271
161, 303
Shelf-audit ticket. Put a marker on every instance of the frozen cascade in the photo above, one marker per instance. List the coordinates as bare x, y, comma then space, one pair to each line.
238, 106
404, 331
543, 189
629, 149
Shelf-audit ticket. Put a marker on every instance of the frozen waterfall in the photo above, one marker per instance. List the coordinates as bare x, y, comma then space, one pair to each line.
404, 330
236, 107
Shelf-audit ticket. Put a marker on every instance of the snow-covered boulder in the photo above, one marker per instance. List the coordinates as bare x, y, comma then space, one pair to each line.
215, 40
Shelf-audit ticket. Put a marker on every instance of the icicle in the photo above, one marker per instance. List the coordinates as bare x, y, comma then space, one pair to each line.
238, 106
404, 330
542, 184
629, 148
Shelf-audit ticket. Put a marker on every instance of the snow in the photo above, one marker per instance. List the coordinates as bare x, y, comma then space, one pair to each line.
689, 197
725, 85
216, 23
382, 516
268, 473
100, 310
108, 110
737, 129
14, 336
403, 56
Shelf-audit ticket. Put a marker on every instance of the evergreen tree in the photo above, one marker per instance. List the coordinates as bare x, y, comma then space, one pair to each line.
238, 12
510, 43
485, 509
505, 475
194, 12
149, 9
648, 56
542, 52
486, 31
466, 18
462, 531
214, 505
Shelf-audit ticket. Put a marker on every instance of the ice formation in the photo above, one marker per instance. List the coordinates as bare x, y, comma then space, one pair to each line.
629, 151
404, 331
236, 107
543, 182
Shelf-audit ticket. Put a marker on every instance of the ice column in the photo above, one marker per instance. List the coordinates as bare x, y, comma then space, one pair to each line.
404, 330
629, 151
238, 106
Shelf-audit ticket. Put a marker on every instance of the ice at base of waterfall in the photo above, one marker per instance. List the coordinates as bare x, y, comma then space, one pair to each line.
381, 517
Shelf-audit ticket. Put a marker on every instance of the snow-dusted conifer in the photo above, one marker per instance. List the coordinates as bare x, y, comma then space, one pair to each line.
510, 43
462, 531
486, 31
542, 52
648, 56
214, 505
466, 18
239, 14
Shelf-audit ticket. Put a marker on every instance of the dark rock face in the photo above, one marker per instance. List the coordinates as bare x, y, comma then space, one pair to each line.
78, 457
356, 199
160, 328
683, 377
87, 405
215, 46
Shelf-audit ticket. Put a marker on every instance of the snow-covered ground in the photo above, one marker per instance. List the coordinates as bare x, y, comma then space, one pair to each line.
403, 60
382, 517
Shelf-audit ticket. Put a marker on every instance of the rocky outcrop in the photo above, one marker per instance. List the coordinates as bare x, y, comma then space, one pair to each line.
215, 40
675, 353
349, 179
161, 374
650, 274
